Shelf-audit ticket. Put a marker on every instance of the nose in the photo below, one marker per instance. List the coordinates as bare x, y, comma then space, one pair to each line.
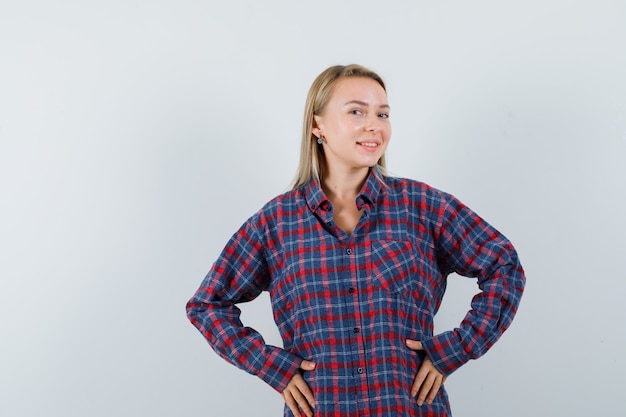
372, 123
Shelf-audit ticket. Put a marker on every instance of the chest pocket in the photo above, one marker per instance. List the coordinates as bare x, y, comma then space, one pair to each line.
394, 266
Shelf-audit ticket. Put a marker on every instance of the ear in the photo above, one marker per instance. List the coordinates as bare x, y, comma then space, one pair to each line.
315, 129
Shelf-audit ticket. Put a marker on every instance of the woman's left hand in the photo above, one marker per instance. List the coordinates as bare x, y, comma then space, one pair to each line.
428, 379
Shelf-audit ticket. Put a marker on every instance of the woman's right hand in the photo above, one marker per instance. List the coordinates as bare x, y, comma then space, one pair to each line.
298, 395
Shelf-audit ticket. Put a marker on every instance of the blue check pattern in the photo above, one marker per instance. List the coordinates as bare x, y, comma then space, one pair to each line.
349, 302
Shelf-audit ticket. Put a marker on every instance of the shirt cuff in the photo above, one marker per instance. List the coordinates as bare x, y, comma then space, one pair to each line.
279, 367
446, 352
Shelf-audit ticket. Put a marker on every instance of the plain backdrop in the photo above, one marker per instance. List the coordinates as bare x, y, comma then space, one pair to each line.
137, 136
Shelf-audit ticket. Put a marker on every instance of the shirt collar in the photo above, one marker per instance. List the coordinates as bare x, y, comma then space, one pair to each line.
371, 190
316, 198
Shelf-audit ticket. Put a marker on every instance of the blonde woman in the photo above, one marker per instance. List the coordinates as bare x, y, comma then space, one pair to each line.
355, 262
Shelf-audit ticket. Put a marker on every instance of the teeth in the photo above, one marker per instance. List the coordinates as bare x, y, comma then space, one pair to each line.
369, 144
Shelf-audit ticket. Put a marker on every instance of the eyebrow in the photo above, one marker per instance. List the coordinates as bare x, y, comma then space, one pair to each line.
362, 103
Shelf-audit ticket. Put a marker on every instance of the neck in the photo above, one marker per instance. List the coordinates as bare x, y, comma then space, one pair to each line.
344, 185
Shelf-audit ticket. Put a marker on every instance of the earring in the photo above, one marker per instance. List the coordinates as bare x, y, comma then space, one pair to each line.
320, 140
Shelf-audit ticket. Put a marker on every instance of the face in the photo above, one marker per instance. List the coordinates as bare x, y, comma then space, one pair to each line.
354, 125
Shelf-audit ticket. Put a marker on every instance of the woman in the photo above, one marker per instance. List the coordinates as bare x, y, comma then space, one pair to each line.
356, 265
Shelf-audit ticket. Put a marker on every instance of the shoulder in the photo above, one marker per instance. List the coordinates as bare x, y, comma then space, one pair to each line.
286, 204
416, 191
420, 202
285, 201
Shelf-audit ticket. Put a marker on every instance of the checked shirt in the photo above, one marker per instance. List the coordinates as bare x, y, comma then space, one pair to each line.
349, 302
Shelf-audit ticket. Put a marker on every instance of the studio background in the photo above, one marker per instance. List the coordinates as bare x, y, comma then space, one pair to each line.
136, 137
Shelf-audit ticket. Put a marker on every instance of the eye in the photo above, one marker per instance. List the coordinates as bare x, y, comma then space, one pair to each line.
356, 112
383, 115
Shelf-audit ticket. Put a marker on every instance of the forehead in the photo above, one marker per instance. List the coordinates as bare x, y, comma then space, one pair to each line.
364, 89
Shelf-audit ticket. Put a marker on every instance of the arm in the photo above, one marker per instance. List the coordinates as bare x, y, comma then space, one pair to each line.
240, 274
469, 246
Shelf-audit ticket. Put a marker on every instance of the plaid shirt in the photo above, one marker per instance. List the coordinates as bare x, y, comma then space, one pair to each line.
348, 303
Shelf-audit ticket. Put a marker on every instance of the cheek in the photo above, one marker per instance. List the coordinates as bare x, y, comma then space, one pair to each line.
349, 130
350, 125
387, 132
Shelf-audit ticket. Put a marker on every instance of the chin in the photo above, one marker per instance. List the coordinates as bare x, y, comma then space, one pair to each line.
371, 162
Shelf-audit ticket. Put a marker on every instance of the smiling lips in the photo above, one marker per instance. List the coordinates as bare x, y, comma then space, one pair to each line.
370, 145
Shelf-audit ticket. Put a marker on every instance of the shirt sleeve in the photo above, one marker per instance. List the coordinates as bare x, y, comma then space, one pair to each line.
240, 274
469, 246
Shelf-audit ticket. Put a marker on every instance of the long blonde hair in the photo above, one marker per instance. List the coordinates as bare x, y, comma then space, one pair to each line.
312, 160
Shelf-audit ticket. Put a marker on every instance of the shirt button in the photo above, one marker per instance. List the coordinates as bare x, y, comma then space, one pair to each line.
359, 370
356, 330
351, 290
349, 251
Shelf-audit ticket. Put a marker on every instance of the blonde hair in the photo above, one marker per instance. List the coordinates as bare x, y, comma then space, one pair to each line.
312, 160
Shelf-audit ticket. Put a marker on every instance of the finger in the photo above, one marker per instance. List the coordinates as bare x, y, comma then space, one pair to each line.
429, 389
420, 377
424, 380
414, 344
306, 392
307, 365
425, 388
417, 383
434, 390
302, 402
291, 403
427, 382
301, 393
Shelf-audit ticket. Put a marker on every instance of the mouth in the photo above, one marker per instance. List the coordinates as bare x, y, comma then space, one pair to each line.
369, 145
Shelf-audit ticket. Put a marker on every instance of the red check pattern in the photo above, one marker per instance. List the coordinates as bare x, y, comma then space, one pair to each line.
348, 303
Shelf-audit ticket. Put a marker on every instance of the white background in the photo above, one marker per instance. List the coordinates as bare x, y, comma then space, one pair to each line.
136, 136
